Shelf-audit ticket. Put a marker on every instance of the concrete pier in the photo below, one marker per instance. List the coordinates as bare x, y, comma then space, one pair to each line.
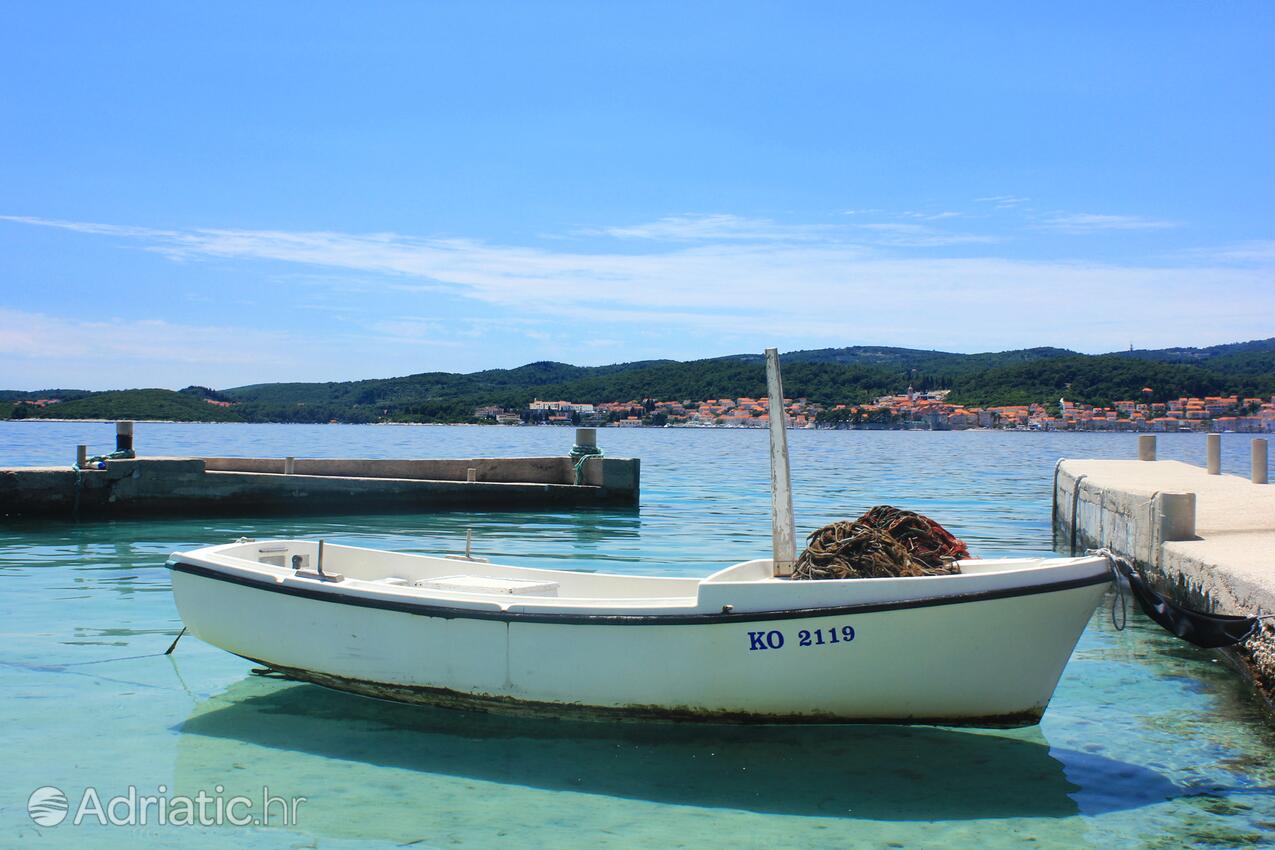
1206, 539
149, 486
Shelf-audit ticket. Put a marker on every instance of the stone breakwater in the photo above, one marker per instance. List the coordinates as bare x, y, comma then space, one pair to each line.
1208, 540
151, 486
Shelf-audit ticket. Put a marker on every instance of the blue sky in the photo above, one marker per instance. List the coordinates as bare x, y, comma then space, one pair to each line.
232, 193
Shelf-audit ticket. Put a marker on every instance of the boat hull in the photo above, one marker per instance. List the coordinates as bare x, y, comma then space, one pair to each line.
983, 659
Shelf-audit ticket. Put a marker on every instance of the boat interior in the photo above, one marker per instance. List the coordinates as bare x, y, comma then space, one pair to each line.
457, 577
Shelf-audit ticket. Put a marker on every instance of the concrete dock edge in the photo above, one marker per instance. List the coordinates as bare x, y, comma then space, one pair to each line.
1205, 539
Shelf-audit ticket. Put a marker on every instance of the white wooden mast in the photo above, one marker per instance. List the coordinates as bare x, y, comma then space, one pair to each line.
783, 531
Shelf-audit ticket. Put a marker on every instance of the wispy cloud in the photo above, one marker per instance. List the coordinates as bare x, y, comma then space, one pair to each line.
710, 229
907, 235
1255, 251
39, 350
415, 331
1094, 223
710, 294
932, 216
717, 228
450, 333
44, 350
37, 335
1003, 201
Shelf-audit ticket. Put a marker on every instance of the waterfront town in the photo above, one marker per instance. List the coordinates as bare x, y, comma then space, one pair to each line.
929, 411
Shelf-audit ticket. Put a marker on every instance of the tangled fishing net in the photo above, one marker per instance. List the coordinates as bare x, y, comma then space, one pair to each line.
885, 542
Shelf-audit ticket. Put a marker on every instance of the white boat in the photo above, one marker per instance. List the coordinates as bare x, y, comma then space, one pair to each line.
746, 644
984, 647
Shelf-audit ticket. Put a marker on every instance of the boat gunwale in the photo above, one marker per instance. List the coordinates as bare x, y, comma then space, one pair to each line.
334, 594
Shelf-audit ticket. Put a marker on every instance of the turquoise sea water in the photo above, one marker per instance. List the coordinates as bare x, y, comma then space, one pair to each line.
1148, 742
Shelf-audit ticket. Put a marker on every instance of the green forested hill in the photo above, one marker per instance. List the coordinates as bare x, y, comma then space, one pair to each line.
1253, 364
923, 360
132, 404
22, 395
1101, 380
1202, 356
829, 376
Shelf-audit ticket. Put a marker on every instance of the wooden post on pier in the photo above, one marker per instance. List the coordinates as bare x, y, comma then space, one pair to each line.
783, 531
1258, 455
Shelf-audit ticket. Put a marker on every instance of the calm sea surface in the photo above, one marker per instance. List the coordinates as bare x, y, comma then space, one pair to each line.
1148, 743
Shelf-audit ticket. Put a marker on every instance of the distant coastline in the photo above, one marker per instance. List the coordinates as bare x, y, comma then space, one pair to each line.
1220, 388
973, 430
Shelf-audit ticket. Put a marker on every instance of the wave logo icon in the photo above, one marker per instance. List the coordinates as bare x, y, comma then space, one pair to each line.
47, 806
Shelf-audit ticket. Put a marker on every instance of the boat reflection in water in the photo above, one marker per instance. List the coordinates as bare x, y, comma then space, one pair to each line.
409, 766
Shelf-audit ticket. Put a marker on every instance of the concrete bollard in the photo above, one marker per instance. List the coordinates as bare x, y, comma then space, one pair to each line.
1146, 447
1176, 513
471, 475
587, 438
1259, 455
289, 466
81, 456
1213, 454
123, 436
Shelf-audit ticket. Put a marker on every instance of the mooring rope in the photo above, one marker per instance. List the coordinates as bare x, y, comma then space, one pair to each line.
1204, 629
1075, 509
1118, 580
123, 454
581, 454
1053, 507
173, 645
